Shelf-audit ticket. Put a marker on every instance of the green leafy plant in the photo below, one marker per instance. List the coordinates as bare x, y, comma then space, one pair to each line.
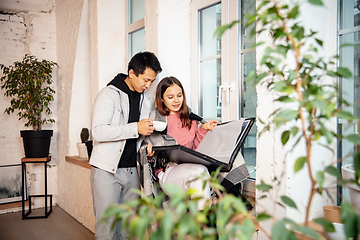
308, 97
84, 135
145, 218
27, 83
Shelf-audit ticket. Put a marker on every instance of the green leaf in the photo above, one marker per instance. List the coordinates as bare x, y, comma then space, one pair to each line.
288, 201
322, 104
260, 77
316, 2
298, 32
141, 227
167, 223
344, 72
299, 164
320, 42
292, 75
286, 115
326, 224
294, 130
279, 33
333, 171
349, 218
307, 231
278, 230
221, 30
251, 76
354, 138
263, 186
285, 137
280, 86
325, 132
345, 115
262, 217
294, 13
285, 99
247, 228
282, 50
357, 167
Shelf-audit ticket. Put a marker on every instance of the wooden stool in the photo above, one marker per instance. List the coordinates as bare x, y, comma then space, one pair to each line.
24, 161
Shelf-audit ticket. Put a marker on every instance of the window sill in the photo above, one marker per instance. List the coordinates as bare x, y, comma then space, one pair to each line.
78, 161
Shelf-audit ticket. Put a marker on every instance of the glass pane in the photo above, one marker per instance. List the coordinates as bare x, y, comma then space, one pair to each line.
210, 63
248, 109
136, 42
349, 57
349, 13
210, 108
136, 10
246, 7
210, 20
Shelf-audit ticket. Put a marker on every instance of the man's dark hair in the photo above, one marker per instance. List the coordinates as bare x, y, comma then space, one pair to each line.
142, 60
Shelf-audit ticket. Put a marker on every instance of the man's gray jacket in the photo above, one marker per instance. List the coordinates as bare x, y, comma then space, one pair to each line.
110, 127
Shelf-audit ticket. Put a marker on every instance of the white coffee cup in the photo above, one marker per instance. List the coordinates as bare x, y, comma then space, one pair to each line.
159, 126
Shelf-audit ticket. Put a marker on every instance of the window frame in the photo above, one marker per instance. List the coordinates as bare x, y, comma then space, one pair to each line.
231, 69
131, 28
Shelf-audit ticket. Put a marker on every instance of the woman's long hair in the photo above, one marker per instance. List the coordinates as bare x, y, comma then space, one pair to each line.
160, 90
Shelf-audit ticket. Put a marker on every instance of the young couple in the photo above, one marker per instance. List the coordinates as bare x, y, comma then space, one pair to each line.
121, 120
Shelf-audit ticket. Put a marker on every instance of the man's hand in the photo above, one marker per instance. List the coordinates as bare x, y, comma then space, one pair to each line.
145, 127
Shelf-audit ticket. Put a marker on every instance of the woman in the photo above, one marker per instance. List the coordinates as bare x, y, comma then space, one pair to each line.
182, 125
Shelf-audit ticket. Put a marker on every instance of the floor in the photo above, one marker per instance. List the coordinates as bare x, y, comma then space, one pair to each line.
58, 226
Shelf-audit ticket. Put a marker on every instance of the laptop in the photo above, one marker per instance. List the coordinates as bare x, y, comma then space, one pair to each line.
219, 147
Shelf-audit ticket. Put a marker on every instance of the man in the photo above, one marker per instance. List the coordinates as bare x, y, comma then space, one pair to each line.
120, 120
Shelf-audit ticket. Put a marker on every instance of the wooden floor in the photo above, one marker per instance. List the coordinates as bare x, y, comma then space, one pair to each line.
58, 226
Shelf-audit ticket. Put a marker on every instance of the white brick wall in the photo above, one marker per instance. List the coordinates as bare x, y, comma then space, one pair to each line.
76, 198
32, 32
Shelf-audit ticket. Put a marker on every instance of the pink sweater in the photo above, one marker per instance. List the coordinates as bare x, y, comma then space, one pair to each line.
188, 138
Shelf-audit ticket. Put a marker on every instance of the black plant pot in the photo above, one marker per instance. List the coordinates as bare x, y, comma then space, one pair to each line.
89, 145
36, 143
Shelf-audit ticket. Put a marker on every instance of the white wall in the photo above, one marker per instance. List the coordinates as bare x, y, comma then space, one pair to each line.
111, 40
80, 108
174, 41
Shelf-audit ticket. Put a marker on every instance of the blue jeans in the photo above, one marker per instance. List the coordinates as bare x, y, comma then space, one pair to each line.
108, 188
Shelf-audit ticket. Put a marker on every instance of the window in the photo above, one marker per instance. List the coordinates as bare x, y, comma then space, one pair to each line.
349, 32
247, 96
220, 66
135, 27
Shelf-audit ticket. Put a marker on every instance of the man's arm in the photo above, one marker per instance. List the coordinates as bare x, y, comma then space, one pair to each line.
107, 121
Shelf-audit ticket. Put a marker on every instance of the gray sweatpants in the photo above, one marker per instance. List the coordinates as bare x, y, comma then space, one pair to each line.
108, 188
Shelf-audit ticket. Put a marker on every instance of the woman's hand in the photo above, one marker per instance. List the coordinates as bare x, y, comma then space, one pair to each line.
210, 125
150, 152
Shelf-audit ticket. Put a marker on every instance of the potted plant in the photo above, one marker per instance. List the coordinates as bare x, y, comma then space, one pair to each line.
84, 136
27, 83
